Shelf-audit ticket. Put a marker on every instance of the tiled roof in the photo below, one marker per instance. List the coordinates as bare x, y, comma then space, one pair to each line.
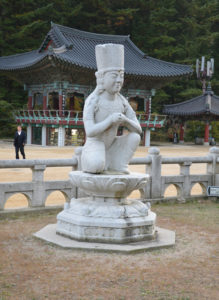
80, 47
207, 103
21, 61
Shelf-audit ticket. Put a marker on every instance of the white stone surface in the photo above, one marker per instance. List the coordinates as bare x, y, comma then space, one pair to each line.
106, 215
104, 228
108, 185
105, 110
164, 239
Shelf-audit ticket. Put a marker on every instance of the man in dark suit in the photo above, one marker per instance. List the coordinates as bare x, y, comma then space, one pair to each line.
19, 142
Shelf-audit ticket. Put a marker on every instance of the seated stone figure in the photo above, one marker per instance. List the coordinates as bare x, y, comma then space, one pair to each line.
105, 110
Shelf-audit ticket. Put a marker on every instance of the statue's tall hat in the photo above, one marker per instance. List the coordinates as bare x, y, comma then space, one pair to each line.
109, 57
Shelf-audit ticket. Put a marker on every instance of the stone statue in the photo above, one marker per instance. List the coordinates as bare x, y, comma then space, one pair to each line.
105, 110
104, 214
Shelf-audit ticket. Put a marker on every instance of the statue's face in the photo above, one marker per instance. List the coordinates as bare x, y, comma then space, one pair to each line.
113, 81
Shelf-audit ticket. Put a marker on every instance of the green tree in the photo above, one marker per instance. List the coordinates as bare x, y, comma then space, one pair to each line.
174, 30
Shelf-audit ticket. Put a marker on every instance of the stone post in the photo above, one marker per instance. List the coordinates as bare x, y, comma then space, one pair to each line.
154, 169
39, 195
29, 134
44, 135
185, 171
2, 199
213, 168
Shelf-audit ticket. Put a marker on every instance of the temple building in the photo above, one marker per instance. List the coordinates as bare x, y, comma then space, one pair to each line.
61, 74
202, 108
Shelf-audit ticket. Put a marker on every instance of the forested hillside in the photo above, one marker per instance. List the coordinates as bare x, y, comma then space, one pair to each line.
174, 30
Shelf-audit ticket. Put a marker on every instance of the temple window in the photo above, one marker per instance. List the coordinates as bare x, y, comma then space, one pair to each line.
53, 101
38, 101
74, 101
137, 103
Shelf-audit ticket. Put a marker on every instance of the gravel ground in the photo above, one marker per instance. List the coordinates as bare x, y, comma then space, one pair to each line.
33, 270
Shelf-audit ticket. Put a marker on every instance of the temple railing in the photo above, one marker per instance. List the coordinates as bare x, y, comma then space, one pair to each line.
48, 116
37, 190
54, 116
151, 120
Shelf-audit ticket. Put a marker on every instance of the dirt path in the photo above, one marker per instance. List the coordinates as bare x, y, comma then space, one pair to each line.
34, 152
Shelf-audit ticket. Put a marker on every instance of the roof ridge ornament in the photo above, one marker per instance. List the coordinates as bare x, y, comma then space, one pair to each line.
59, 50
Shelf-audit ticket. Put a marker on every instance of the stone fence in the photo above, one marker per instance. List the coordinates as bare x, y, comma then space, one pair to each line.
37, 190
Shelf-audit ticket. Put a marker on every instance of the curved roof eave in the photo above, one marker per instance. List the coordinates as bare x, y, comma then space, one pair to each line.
24, 62
127, 71
166, 106
65, 34
184, 114
36, 57
136, 62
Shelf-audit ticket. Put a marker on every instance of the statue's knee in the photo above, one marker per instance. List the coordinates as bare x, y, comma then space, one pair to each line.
134, 138
97, 166
93, 165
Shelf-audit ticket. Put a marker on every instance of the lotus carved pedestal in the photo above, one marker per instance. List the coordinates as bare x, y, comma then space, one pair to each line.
106, 215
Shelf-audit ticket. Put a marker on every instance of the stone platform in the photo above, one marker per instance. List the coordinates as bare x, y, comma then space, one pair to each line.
106, 215
164, 239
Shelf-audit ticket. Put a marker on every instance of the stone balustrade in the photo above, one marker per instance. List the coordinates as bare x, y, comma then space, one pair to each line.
37, 190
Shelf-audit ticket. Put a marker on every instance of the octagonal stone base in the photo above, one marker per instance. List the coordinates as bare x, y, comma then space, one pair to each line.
106, 216
86, 220
164, 239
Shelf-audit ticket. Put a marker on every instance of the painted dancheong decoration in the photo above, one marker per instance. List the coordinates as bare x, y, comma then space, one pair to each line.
59, 76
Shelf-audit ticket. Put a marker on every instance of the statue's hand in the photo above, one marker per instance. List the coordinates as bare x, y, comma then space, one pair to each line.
117, 118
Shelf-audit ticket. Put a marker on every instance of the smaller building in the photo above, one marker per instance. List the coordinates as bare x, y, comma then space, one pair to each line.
202, 108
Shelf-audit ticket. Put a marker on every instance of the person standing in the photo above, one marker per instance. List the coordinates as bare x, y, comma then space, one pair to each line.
19, 142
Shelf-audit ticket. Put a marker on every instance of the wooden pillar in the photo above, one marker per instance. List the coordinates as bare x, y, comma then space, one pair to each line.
206, 139
148, 108
181, 134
